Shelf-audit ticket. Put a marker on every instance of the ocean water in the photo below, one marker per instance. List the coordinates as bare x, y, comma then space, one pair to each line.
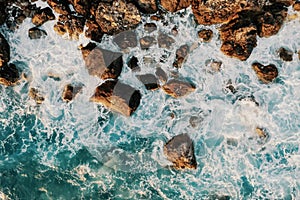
80, 150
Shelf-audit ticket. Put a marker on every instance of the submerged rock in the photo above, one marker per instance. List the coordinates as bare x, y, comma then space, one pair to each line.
149, 80
117, 96
126, 39
36, 33
9, 74
71, 24
205, 35
36, 96
42, 16
180, 151
285, 54
177, 88
265, 73
70, 92
175, 5
4, 51
181, 55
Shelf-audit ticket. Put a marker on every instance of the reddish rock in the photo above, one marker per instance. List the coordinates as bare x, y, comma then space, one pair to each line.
36, 33
146, 42
181, 55
265, 73
285, 54
126, 39
60, 6
175, 5
4, 51
70, 92
42, 16
117, 96
177, 88
205, 35
165, 41
93, 30
9, 74
146, 6
149, 80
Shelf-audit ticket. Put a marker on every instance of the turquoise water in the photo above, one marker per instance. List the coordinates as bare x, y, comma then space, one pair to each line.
80, 150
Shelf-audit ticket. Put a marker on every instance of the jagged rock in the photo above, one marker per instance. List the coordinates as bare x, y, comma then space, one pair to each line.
296, 6
177, 88
117, 96
36, 33
9, 74
35, 95
146, 6
126, 39
102, 63
265, 73
165, 41
93, 30
161, 74
82, 7
4, 51
149, 80
59, 6
71, 24
117, 16
70, 92
205, 35
42, 16
285, 54
175, 5
150, 27
180, 151
181, 55
146, 42
133, 64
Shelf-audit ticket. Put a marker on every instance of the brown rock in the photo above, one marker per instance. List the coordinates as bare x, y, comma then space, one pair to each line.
117, 96
299, 54
4, 51
117, 16
146, 42
175, 5
265, 73
261, 132
35, 95
9, 74
82, 7
70, 92
87, 49
181, 55
296, 6
165, 41
93, 30
150, 27
59, 6
180, 151
133, 64
42, 16
102, 63
146, 6
177, 88
205, 35
73, 25
149, 80
285, 54
36, 33
161, 74
126, 39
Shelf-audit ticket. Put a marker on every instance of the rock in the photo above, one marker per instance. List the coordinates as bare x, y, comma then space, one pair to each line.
161, 74
87, 49
36, 33
174, 31
261, 132
285, 54
93, 30
126, 39
265, 73
146, 42
82, 7
205, 35
42, 16
133, 64
165, 41
59, 6
117, 96
146, 6
230, 87
35, 95
71, 24
175, 5
9, 74
102, 63
180, 151
213, 65
195, 121
150, 27
296, 6
3, 12
70, 92
149, 80
181, 55
4, 51
177, 88
117, 16
299, 54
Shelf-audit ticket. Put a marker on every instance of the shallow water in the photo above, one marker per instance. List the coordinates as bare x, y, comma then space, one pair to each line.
80, 150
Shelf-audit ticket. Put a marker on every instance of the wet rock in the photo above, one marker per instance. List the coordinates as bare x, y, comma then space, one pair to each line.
102, 63
181, 55
180, 151
165, 41
161, 74
82, 7
36, 33
126, 39
150, 27
285, 54
4, 51
265, 73
149, 80
296, 6
60, 6
93, 30
146, 42
42, 16
117, 16
175, 5
36, 96
146, 6
177, 88
70, 92
230, 87
213, 65
117, 96
261, 132
71, 25
9, 74
133, 64
205, 35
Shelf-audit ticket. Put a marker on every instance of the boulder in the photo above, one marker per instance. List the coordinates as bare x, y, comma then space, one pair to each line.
117, 16
177, 88
60, 6
36, 33
4, 51
43, 15
265, 73
205, 35
117, 96
93, 30
285, 54
9, 74
180, 151
150, 81
146, 6
181, 55
126, 39
70, 92
175, 5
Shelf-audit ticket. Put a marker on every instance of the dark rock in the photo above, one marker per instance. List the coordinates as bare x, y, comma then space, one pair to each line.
42, 16
4, 51
146, 42
30, 10
161, 74
73, 25
60, 6
70, 92
146, 6
82, 7
126, 39
9, 74
181, 55
3, 13
180, 151
177, 88
87, 49
205, 35
150, 27
149, 80
36, 33
117, 16
285, 54
133, 64
265, 73
296, 6
117, 96
230, 87
93, 30
165, 41
175, 5
102, 63
36, 96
